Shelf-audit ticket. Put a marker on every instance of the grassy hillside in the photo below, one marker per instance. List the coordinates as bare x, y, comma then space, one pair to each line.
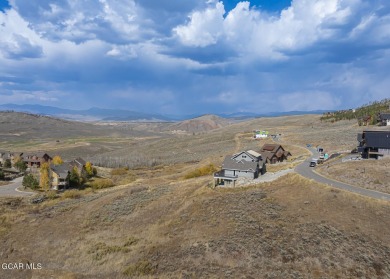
371, 109
158, 224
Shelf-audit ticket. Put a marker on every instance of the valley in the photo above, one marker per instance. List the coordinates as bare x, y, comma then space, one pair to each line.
158, 224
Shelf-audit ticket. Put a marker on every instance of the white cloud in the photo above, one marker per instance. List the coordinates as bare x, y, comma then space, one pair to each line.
198, 56
204, 27
16, 39
250, 30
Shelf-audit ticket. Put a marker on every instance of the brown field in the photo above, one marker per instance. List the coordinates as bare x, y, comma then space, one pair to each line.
158, 224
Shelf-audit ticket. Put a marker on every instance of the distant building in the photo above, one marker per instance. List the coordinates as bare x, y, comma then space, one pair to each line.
247, 164
374, 144
260, 134
273, 153
36, 159
4, 155
385, 118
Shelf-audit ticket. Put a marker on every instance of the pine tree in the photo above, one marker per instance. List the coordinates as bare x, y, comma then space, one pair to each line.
74, 178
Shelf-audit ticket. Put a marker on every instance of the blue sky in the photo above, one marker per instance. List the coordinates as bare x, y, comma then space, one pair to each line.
195, 56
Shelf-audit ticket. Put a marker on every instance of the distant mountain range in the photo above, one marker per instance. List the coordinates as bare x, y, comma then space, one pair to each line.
100, 114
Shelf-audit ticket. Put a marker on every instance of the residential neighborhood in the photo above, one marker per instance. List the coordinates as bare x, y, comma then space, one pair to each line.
15, 164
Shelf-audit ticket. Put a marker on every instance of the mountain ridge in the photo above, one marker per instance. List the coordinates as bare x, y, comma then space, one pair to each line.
119, 115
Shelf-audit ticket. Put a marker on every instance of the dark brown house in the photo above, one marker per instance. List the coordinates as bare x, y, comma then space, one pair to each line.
374, 144
36, 159
273, 153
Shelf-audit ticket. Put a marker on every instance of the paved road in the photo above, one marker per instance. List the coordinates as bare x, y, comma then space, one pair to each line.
308, 172
10, 189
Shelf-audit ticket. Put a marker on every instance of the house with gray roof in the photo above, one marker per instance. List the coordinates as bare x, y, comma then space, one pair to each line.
247, 164
385, 118
374, 144
79, 163
59, 175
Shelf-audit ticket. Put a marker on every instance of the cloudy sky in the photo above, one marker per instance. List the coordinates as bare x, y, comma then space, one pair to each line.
195, 56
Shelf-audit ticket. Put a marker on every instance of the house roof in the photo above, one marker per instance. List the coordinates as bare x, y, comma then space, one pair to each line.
272, 147
267, 155
61, 170
79, 161
231, 164
287, 153
377, 139
385, 116
254, 153
39, 154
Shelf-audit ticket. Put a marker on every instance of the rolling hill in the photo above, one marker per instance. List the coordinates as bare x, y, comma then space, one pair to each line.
200, 124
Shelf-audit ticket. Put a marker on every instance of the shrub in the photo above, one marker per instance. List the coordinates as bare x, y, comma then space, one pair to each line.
141, 268
2, 176
119, 171
205, 170
7, 164
21, 166
51, 195
72, 194
101, 183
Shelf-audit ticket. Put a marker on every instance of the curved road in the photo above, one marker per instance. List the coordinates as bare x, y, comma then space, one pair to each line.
308, 172
10, 190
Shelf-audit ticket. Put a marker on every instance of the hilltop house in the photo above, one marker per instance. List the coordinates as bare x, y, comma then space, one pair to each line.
385, 118
273, 153
247, 164
59, 176
374, 144
36, 159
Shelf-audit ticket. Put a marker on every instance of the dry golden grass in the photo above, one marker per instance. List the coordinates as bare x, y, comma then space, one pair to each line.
201, 171
370, 174
72, 194
100, 183
291, 227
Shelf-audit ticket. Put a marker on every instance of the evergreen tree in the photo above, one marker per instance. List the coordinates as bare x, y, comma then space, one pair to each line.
7, 164
30, 181
74, 178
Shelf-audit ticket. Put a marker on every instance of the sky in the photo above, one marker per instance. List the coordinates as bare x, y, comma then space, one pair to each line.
195, 56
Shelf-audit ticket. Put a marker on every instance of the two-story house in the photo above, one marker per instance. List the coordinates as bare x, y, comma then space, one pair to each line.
374, 144
247, 164
36, 159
